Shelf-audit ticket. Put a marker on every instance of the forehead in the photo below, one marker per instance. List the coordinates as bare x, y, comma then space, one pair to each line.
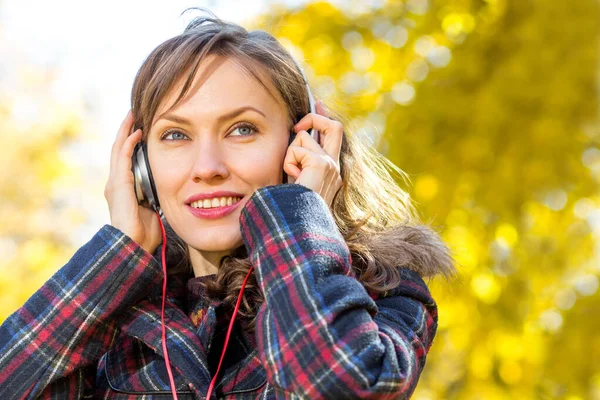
223, 82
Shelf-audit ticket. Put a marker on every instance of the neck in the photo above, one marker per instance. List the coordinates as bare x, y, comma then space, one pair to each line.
206, 262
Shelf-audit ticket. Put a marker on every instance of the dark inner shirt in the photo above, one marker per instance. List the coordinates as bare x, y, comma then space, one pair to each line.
240, 344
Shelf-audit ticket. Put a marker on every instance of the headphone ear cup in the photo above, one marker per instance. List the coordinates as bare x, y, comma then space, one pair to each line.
144, 188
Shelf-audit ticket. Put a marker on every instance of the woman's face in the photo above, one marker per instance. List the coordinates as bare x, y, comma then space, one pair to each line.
208, 155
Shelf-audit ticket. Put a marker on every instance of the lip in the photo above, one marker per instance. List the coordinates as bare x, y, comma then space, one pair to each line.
213, 213
216, 212
202, 196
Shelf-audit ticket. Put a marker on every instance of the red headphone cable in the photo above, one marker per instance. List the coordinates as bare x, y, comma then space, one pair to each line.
162, 312
162, 318
235, 310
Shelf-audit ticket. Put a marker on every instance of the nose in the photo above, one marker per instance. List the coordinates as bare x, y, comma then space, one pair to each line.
209, 162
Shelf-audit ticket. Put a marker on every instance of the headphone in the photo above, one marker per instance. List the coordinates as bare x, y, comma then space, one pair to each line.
145, 190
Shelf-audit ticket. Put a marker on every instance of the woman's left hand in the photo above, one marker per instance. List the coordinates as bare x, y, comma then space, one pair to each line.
312, 165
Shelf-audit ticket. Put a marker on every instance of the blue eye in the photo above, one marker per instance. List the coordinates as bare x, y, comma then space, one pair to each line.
175, 135
243, 130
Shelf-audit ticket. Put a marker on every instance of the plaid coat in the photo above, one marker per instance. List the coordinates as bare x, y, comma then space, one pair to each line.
94, 331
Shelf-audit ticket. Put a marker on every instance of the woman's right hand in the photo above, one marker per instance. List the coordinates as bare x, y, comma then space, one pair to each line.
137, 222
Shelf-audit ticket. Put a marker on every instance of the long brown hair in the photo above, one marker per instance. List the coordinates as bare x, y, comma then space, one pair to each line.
373, 213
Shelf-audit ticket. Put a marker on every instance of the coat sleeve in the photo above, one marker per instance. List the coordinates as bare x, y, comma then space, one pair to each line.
319, 333
52, 343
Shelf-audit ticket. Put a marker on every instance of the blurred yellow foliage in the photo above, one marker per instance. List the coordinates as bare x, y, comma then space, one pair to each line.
35, 220
491, 106
426, 187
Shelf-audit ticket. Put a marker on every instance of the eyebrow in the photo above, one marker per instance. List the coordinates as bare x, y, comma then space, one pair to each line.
222, 118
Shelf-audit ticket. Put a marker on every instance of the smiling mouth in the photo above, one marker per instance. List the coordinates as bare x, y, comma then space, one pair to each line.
214, 202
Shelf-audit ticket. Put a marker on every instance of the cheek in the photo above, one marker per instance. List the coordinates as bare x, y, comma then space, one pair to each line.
262, 166
168, 176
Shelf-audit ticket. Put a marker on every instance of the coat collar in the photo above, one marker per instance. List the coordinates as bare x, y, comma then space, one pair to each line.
186, 352
187, 344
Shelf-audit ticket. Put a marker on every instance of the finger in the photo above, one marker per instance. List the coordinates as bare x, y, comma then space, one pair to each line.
304, 139
293, 161
331, 132
321, 178
124, 159
302, 160
311, 178
122, 134
298, 158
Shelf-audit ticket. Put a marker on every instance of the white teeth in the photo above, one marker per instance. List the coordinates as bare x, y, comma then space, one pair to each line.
215, 202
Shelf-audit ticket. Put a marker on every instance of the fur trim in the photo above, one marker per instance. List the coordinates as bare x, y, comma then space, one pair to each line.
419, 248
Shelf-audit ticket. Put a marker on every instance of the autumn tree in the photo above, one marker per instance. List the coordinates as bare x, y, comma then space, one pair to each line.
491, 108
38, 182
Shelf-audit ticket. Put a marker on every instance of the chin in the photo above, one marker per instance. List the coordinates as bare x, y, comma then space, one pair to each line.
216, 240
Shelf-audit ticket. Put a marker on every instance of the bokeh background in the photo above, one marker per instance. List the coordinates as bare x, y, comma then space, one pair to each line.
491, 107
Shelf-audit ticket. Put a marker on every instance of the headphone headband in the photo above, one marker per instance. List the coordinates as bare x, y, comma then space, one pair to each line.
311, 99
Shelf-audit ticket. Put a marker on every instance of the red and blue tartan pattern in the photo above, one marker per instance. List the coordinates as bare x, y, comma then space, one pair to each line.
68, 324
93, 330
320, 335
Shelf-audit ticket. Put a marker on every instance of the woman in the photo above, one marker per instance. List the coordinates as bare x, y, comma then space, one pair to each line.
334, 306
